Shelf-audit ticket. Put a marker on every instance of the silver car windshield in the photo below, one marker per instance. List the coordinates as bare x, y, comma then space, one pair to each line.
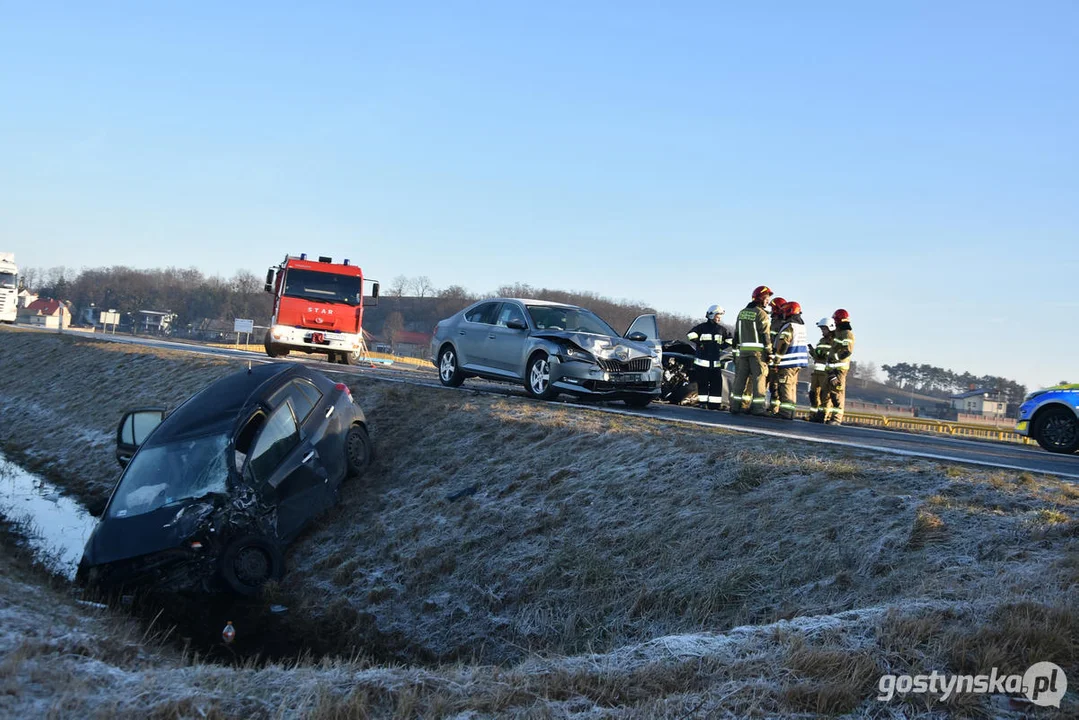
169, 473
570, 319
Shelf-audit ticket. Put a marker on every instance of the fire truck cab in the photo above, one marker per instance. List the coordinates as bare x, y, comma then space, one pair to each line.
318, 308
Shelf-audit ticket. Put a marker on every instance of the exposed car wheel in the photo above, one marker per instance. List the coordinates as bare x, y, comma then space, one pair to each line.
449, 372
1057, 430
638, 401
538, 377
358, 451
250, 562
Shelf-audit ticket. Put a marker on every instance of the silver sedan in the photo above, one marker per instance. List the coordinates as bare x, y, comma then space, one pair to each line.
550, 348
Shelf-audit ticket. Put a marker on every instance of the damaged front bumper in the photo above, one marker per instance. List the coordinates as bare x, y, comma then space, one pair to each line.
607, 379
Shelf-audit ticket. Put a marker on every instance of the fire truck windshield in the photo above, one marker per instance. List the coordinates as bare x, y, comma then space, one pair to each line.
327, 287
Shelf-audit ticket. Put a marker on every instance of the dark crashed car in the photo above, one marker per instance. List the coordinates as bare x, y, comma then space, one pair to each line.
212, 492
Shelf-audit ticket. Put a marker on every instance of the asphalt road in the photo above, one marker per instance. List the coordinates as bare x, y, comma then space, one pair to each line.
991, 454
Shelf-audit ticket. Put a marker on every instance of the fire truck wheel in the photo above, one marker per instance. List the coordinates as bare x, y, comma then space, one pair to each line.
273, 350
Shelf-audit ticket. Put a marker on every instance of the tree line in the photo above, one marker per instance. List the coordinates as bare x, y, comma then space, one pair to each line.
932, 380
200, 301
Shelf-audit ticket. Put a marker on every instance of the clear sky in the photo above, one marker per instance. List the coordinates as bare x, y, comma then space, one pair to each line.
914, 162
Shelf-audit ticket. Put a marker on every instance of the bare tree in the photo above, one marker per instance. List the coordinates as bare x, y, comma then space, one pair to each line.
391, 329
399, 286
422, 286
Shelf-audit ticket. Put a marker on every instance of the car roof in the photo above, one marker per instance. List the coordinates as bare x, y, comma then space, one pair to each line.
528, 301
213, 409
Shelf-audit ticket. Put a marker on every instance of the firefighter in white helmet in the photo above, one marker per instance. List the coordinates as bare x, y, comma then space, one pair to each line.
818, 357
711, 340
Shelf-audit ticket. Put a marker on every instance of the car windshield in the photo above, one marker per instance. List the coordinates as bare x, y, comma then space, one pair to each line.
165, 474
571, 319
327, 287
7, 280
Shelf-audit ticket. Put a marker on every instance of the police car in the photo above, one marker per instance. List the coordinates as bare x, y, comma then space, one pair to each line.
1051, 416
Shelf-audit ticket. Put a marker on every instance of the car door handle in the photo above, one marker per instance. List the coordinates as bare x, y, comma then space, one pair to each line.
491, 337
307, 457
460, 332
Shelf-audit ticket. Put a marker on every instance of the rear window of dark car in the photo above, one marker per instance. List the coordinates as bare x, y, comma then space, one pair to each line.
303, 395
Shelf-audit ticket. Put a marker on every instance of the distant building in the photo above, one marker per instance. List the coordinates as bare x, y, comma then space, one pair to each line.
979, 402
154, 321
408, 343
26, 297
47, 313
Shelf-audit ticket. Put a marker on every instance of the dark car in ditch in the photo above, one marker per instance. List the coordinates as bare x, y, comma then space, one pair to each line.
212, 492
550, 348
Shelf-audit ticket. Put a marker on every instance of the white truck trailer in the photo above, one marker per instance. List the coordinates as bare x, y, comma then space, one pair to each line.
9, 288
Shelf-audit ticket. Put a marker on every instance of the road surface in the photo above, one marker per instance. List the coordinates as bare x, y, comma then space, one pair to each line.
1010, 456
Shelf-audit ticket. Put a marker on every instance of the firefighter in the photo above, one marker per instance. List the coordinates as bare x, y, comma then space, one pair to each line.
791, 355
818, 354
711, 339
838, 366
776, 309
751, 340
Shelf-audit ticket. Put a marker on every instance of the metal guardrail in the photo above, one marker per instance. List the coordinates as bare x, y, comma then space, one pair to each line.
945, 427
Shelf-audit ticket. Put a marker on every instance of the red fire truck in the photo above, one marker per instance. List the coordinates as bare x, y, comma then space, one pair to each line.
318, 308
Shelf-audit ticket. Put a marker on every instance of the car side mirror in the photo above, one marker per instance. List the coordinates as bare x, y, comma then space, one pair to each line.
268, 287
637, 336
516, 324
135, 426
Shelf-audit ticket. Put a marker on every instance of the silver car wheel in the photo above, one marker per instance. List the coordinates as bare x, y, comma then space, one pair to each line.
540, 377
448, 366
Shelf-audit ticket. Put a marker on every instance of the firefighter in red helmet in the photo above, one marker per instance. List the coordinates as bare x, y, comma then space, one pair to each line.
775, 308
792, 354
752, 339
838, 366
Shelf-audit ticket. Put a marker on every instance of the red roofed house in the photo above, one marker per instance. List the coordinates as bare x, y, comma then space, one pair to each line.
413, 344
46, 313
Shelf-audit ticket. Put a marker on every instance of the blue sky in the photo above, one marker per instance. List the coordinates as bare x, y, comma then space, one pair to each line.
914, 162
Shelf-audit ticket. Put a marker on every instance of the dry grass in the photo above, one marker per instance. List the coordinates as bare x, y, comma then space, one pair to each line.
599, 566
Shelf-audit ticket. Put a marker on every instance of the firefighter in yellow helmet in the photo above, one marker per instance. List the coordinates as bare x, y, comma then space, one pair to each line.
775, 309
791, 355
752, 340
838, 366
711, 340
818, 356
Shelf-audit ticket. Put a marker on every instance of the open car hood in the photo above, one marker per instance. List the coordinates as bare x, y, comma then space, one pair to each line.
602, 346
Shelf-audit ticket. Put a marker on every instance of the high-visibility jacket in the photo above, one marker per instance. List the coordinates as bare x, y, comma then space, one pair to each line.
711, 340
792, 344
752, 331
820, 354
841, 350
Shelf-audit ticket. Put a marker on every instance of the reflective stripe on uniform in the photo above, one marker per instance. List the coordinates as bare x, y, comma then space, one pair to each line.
713, 398
819, 366
839, 366
691, 336
701, 363
705, 337
757, 400
752, 346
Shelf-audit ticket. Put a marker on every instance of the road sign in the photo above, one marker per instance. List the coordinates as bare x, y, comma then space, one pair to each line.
243, 326
110, 317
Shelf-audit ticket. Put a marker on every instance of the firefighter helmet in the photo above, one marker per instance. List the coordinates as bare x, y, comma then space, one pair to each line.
826, 323
792, 308
713, 311
760, 291
841, 315
777, 304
